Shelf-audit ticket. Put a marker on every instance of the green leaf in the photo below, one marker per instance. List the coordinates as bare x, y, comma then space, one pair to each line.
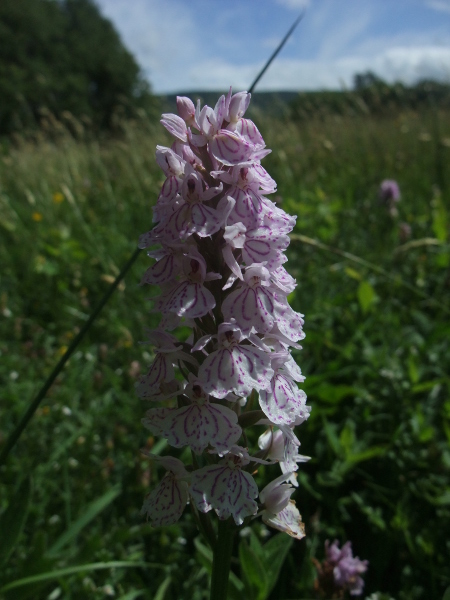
253, 571
256, 545
428, 385
367, 454
332, 393
413, 370
440, 227
347, 438
13, 519
132, 595
161, 591
275, 552
333, 440
205, 555
366, 296
93, 509
374, 515
353, 273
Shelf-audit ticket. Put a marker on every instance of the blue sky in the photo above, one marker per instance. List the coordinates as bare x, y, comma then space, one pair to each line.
185, 45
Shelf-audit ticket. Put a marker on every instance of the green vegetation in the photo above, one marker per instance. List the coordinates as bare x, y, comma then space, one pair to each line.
62, 58
376, 358
371, 95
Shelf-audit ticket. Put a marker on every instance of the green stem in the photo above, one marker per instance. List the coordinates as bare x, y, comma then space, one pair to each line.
222, 559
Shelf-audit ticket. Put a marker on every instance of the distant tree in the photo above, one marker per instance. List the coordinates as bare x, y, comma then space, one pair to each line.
63, 55
368, 79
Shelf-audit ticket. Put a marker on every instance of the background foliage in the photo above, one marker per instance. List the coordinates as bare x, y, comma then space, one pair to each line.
62, 58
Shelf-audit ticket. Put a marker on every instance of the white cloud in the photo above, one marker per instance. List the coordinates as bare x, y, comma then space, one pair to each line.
219, 75
157, 32
440, 5
295, 4
395, 64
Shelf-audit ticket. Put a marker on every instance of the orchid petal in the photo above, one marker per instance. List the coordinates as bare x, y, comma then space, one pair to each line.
228, 490
165, 504
175, 125
238, 370
289, 520
197, 426
191, 300
283, 401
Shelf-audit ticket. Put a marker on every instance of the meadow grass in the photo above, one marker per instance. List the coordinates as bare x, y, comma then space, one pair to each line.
376, 355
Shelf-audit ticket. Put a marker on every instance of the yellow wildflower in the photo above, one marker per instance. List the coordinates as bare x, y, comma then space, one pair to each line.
58, 197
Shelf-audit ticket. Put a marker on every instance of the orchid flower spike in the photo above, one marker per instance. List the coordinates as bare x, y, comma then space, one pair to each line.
218, 249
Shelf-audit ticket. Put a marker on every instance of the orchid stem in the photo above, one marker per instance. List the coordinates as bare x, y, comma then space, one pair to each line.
222, 559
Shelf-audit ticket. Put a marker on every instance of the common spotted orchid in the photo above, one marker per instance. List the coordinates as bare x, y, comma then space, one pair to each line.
219, 246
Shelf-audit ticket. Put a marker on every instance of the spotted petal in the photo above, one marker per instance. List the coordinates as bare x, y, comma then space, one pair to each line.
162, 271
226, 489
289, 520
284, 401
161, 371
289, 322
247, 209
248, 130
231, 148
250, 307
239, 369
189, 219
190, 300
165, 504
197, 426
265, 245
154, 419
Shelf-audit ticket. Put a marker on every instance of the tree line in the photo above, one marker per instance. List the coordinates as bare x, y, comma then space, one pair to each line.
372, 95
63, 55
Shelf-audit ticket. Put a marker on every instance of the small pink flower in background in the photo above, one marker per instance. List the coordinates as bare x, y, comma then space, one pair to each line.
389, 195
404, 231
340, 572
389, 191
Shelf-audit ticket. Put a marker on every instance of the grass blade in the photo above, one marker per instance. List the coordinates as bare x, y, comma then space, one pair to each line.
114, 564
91, 512
13, 519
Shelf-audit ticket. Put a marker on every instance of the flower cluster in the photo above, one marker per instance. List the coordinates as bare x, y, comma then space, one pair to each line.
340, 571
219, 248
